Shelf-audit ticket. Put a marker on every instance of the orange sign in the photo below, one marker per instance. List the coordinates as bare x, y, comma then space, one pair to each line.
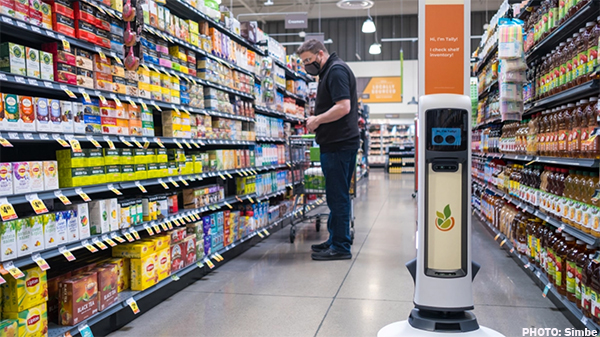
444, 49
383, 90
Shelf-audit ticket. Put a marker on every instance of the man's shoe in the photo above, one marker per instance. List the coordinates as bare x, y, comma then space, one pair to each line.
330, 255
320, 247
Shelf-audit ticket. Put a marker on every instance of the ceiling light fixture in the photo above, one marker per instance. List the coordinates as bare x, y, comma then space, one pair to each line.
268, 3
375, 48
369, 26
354, 4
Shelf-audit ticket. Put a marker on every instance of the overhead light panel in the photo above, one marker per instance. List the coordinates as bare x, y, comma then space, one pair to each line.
354, 4
375, 49
369, 26
268, 3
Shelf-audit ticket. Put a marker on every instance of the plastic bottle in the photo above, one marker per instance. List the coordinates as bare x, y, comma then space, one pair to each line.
572, 62
595, 289
579, 55
552, 246
581, 262
562, 254
593, 50
571, 280
590, 125
577, 128
586, 280
564, 118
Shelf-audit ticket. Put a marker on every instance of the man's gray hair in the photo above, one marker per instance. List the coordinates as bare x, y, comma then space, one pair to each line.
313, 46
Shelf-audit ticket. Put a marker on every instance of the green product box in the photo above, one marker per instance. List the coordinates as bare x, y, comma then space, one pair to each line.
252, 159
163, 169
97, 175
150, 156
95, 157
161, 155
112, 157
113, 173
127, 172
139, 156
153, 170
141, 173
73, 177
197, 164
12, 58
67, 158
126, 157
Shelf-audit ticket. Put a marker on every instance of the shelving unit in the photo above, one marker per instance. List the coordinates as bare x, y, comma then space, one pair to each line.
401, 159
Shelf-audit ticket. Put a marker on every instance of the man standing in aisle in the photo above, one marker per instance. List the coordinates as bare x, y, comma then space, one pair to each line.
336, 126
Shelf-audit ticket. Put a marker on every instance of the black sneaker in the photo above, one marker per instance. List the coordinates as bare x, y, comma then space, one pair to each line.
320, 247
330, 254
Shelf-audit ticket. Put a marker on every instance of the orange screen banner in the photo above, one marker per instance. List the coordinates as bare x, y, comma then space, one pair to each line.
383, 90
444, 49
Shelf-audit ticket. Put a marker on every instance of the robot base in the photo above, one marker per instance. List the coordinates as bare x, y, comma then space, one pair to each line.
404, 329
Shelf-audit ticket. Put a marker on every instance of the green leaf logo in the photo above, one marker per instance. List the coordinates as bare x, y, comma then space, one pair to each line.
445, 221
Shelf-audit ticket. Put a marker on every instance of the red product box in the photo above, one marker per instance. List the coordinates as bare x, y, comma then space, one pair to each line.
102, 21
53, 296
59, 54
65, 73
63, 24
108, 275
85, 31
61, 7
178, 255
190, 243
84, 12
178, 234
192, 72
103, 38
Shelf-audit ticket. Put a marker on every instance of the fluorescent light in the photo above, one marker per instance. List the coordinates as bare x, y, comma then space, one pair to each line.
368, 26
375, 49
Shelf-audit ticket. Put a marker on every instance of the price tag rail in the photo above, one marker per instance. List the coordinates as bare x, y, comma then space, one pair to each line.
570, 309
274, 113
581, 162
290, 73
290, 94
584, 90
261, 139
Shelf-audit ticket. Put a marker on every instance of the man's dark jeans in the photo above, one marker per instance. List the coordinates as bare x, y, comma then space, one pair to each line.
338, 168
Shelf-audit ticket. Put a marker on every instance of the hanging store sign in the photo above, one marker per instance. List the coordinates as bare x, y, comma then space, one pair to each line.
296, 21
381, 89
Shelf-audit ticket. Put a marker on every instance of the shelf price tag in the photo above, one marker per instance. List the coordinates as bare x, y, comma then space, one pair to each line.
124, 141
66, 253
83, 195
94, 142
133, 305
228, 205
209, 263
60, 141
187, 218
177, 143
67, 91
108, 240
250, 199
221, 176
159, 142
149, 230
4, 142
260, 234
128, 236
229, 175
267, 232
195, 144
114, 189
175, 277
85, 331
584, 320
169, 225
219, 257
99, 243
497, 236
117, 238
110, 143
502, 243
173, 182
39, 260
163, 184
66, 44
136, 142
546, 289
187, 144
156, 106
164, 226
36, 203
200, 264
561, 228
89, 247
7, 211
62, 198
156, 227
139, 185
183, 181
13, 270
117, 59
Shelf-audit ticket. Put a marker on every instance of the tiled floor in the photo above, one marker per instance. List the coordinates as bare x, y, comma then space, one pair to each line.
275, 289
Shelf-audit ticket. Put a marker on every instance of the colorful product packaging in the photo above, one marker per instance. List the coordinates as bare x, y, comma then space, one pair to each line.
12, 55
37, 233
46, 63
36, 173
49, 225
62, 226
26, 292
50, 171
123, 272
33, 58
9, 328
6, 179
53, 290
108, 275
143, 272
8, 240
32, 322
99, 217
24, 245
163, 263
72, 225
83, 220
78, 298
136, 250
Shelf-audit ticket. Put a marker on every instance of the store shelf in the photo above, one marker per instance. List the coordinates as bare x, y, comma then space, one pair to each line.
584, 90
487, 58
580, 162
290, 94
528, 7
568, 308
488, 89
587, 238
274, 113
260, 139
589, 12
289, 72
33, 33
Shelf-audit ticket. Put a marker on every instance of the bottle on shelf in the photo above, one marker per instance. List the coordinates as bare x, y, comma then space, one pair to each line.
562, 250
587, 276
572, 61
571, 279
593, 48
581, 262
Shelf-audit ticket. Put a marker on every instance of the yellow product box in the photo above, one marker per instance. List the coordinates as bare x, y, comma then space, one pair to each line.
144, 86
143, 272
143, 75
68, 159
194, 29
127, 172
97, 175
176, 155
182, 168
175, 93
73, 177
141, 172
8, 328
135, 250
160, 242
113, 173
153, 170
171, 117
161, 155
184, 69
197, 164
26, 292
95, 157
189, 165
32, 322
123, 268
150, 156
126, 156
163, 169
166, 94
163, 263
139, 156
117, 5
112, 157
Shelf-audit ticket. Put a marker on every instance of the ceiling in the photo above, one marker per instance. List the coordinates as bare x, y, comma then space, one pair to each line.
328, 8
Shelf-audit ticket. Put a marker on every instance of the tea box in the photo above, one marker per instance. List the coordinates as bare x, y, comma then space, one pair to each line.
143, 272
36, 173
11, 112
178, 234
32, 322
53, 290
42, 117
26, 292
8, 328
6, 179
112, 157
62, 226
128, 172
190, 250
123, 272
178, 255
55, 115
83, 220
72, 225
112, 208
160, 242
12, 58
108, 275
78, 117
8, 240
68, 158
7, 7
99, 221
21, 177
95, 157
125, 207
46, 65
136, 250
50, 234
66, 108
37, 233
23, 237
26, 120
50, 171
78, 298
32, 61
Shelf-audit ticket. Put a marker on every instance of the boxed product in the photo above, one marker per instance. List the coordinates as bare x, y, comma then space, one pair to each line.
113, 173
112, 208
178, 255
12, 58
32, 322
11, 111
50, 172
42, 117
46, 66
6, 179
99, 222
26, 292
163, 263
83, 220
68, 158
33, 61
26, 114
93, 124
37, 233
36, 170
8, 240
135, 250
108, 276
72, 224
53, 290
78, 117
49, 225
66, 109
78, 298
9, 328
143, 272
190, 242
123, 272
24, 244
62, 219
55, 122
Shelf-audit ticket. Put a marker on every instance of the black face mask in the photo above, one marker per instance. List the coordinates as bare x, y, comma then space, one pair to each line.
313, 68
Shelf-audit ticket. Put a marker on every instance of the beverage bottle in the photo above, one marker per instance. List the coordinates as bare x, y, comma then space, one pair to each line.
588, 207
586, 280
570, 113
553, 133
531, 244
571, 8
583, 130
553, 15
562, 252
590, 125
579, 56
579, 116
562, 67
560, 186
580, 4
595, 143
539, 238
593, 49
520, 234
595, 290
571, 280
572, 61
564, 118
583, 258
547, 250
557, 251
562, 11
568, 197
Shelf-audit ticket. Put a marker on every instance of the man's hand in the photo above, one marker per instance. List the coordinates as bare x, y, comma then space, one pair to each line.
312, 123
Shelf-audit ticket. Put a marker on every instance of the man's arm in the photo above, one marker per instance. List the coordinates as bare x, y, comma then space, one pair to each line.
339, 110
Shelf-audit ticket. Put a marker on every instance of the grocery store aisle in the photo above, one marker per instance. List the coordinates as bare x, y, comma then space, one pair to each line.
275, 289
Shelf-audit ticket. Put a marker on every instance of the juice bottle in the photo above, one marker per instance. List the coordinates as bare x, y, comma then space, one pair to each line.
570, 112
583, 258
595, 215
553, 15
551, 256
539, 239
562, 251
588, 208
595, 290
577, 127
558, 250
590, 116
590, 40
542, 134
563, 119
571, 65
568, 197
571, 282
586, 280
595, 144
593, 49
579, 55
583, 129
530, 230
563, 66
520, 234
548, 234
555, 132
